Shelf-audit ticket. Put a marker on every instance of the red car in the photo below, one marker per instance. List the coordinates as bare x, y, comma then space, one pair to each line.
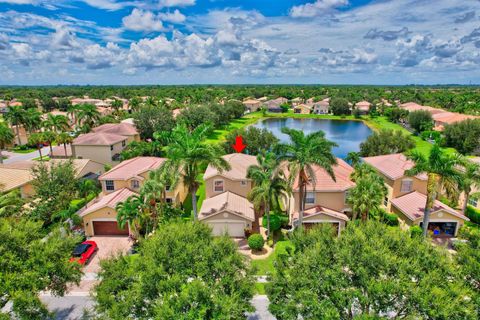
84, 251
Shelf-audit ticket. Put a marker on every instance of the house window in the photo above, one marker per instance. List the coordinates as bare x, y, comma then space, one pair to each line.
123, 143
109, 185
111, 147
135, 184
385, 201
169, 200
218, 185
347, 193
167, 187
473, 202
406, 186
310, 198
243, 183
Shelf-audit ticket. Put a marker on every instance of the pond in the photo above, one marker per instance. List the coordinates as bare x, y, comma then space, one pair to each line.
347, 134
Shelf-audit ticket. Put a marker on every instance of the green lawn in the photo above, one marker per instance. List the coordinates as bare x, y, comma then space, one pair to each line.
187, 203
219, 135
265, 266
259, 288
17, 150
43, 158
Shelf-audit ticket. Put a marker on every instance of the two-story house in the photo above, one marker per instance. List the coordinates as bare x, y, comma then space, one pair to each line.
124, 180
406, 196
326, 198
226, 208
321, 107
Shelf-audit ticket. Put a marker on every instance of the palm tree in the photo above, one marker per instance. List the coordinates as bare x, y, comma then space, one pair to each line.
368, 193
37, 139
269, 184
73, 111
353, 158
32, 120
302, 154
187, 154
130, 211
442, 173
6, 138
153, 191
64, 138
56, 123
470, 179
88, 114
50, 137
16, 117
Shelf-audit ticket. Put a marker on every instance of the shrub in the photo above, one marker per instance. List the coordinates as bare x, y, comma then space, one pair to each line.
275, 222
431, 135
416, 231
473, 214
420, 120
390, 218
256, 242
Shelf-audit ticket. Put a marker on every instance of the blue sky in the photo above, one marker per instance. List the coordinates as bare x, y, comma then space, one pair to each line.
48, 42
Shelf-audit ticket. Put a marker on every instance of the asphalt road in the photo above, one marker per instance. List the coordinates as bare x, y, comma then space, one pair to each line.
14, 157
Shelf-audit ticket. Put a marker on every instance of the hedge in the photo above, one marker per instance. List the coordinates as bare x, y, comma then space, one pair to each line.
390, 218
473, 214
256, 242
416, 231
275, 222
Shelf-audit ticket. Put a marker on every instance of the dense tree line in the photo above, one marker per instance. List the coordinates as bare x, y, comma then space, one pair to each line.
455, 98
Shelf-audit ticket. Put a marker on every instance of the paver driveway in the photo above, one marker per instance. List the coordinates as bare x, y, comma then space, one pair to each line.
108, 246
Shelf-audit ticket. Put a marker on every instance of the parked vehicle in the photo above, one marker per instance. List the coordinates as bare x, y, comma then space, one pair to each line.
83, 252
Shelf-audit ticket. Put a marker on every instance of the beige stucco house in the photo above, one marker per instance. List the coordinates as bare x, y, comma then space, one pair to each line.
302, 109
321, 107
226, 208
124, 180
123, 129
326, 200
406, 195
252, 105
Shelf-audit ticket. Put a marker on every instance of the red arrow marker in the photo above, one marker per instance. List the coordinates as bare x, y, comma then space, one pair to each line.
238, 146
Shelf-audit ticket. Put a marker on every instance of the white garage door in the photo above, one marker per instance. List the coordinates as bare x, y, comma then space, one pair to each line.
233, 229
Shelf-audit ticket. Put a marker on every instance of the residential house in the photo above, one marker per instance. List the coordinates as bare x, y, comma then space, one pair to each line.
326, 200
296, 101
18, 175
274, 105
226, 208
61, 152
406, 195
363, 106
252, 105
118, 184
99, 146
302, 109
122, 128
321, 107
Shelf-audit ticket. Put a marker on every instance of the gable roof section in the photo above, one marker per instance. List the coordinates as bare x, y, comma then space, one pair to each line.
13, 178
239, 163
132, 168
412, 205
98, 139
110, 200
393, 166
227, 201
122, 128
318, 210
324, 182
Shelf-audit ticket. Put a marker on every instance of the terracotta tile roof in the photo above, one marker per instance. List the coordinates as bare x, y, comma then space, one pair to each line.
412, 106
451, 117
227, 201
122, 128
392, 166
318, 210
132, 168
13, 178
98, 139
26, 165
413, 204
110, 200
325, 183
251, 101
239, 163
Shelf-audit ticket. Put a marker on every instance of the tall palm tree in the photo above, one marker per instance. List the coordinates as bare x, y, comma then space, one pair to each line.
73, 111
64, 138
153, 191
88, 115
368, 193
442, 173
56, 123
6, 138
269, 182
470, 179
37, 139
16, 117
50, 137
130, 211
302, 154
33, 120
187, 154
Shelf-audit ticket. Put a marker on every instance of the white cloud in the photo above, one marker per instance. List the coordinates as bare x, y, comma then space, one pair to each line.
140, 20
173, 17
106, 4
316, 8
176, 3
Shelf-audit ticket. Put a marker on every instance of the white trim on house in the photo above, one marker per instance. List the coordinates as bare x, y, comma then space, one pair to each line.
223, 185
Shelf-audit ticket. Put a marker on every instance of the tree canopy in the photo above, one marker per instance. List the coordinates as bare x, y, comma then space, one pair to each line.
386, 142
370, 271
182, 272
463, 136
